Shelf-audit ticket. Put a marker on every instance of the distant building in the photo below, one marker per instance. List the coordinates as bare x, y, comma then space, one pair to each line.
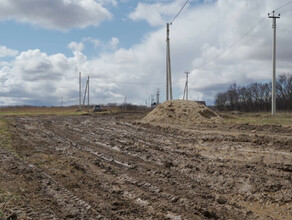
201, 102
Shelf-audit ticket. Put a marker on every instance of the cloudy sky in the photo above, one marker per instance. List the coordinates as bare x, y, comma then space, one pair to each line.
121, 45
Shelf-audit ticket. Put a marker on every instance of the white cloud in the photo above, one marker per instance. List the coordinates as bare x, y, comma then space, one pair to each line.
200, 42
76, 46
55, 14
156, 14
6, 52
35, 77
105, 46
112, 2
96, 42
114, 43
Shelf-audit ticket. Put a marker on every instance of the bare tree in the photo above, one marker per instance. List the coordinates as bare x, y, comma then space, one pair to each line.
256, 96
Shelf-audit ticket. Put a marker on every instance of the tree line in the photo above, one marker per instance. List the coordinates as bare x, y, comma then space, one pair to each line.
256, 96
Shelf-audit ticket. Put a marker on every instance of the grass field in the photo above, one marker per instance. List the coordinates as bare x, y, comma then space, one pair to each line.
4, 134
18, 111
258, 118
263, 118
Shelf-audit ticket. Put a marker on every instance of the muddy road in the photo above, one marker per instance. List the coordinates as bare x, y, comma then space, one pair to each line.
113, 167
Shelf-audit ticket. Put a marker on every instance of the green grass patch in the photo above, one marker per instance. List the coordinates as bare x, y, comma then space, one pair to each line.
264, 118
5, 137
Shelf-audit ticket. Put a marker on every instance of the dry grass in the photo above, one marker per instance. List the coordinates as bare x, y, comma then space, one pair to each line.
262, 118
5, 140
31, 111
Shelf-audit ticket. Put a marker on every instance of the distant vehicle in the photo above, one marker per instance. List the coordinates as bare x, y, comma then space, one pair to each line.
97, 108
153, 104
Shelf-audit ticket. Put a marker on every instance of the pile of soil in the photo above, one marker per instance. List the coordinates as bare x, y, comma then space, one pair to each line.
181, 112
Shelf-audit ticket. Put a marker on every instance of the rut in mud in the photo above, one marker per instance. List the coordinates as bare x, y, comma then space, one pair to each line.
113, 167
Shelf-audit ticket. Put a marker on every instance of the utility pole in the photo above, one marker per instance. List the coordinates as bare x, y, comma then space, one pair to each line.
168, 63
79, 90
157, 97
274, 63
61, 101
125, 103
186, 90
168, 66
150, 101
85, 92
88, 92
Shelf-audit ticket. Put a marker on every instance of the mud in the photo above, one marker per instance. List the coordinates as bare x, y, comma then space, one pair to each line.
114, 167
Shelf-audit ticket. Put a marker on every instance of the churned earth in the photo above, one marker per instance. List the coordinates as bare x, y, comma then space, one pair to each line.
114, 166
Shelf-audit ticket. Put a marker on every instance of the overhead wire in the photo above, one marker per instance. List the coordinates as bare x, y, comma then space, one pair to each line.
250, 38
284, 5
283, 12
184, 5
244, 36
233, 44
129, 83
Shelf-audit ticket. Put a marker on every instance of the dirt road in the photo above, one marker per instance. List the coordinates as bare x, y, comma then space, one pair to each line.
112, 167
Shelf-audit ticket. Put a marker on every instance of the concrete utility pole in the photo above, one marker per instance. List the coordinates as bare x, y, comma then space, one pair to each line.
85, 92
125, 103
274, 63
168, 67
157, 97
79, 90
88, 92
186, 90
168, 63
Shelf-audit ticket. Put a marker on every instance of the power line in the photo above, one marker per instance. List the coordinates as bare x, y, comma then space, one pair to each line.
282, 6
248, 40
234, 43
139, 83
106, 81
184, 5
283, 12
245, 35
130, 83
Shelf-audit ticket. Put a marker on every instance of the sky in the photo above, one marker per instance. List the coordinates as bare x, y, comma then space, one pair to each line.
121, 46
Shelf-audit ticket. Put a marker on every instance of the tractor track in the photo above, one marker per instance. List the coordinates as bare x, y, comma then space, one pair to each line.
112, 167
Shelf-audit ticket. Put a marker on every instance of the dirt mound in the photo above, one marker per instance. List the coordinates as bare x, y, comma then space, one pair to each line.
181, 112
